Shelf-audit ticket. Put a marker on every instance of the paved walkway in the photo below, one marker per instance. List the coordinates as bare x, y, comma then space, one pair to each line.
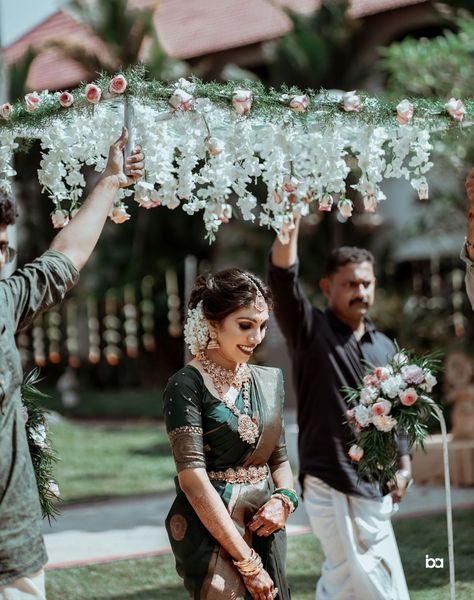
134, 528
119, 529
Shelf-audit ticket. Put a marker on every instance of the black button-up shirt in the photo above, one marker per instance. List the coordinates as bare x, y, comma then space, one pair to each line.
326, 358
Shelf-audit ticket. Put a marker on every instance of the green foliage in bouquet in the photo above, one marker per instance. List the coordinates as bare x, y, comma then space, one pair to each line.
393, 400
42, 453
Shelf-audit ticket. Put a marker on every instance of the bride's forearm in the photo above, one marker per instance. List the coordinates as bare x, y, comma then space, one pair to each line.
212, 512
282, 476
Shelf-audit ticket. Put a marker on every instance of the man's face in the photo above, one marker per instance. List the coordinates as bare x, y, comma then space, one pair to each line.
3, 245
350, 291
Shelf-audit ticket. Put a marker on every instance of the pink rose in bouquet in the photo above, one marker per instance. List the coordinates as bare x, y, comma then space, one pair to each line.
356, 453
413, 374
381, 407
408, 397
382, 373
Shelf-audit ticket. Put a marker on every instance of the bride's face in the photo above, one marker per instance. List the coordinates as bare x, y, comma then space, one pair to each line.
238, 336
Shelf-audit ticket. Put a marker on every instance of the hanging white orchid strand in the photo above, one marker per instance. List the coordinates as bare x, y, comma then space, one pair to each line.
205, 155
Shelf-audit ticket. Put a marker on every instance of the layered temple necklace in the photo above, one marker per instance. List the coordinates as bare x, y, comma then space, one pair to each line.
240, 378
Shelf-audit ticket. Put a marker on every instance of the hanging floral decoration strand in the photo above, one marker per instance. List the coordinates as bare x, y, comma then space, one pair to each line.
207, 144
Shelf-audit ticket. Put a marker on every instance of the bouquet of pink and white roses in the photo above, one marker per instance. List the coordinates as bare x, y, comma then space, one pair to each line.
392, 398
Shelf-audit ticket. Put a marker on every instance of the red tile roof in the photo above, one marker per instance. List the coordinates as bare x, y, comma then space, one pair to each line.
185, 28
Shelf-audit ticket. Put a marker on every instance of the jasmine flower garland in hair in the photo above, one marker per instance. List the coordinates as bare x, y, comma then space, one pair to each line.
196, 331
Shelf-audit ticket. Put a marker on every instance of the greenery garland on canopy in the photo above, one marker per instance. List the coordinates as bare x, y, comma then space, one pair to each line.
207, 144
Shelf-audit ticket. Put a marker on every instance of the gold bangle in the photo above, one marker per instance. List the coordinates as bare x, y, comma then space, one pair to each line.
249, 566
286, 502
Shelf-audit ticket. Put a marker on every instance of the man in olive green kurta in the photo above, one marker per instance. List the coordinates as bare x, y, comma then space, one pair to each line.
28, 292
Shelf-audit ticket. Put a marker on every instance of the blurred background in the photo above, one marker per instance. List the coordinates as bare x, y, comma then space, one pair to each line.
108, 351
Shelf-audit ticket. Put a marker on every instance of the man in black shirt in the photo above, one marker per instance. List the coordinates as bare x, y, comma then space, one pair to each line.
329, 349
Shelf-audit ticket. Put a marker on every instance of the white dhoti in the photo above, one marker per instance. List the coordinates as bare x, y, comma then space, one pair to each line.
362, 561
25, 588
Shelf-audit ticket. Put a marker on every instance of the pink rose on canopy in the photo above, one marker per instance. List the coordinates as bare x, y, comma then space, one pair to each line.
408, 396
345, 207
456, 108
119, 214
290, 184
404, 112
214, 146
356, 453
59, 218
65, 99
181, 100
6, 110
351, 102
370, 204
299, 103
242, 101
413, 374
325, 203
93, 93
118, 84
32, 101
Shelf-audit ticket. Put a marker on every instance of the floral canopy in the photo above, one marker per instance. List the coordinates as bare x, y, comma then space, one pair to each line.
207, 145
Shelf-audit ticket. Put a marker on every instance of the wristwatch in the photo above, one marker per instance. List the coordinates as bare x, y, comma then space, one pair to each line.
406, 474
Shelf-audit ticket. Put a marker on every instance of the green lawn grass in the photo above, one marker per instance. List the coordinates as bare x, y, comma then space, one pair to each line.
156, 579
115, 459
129, 403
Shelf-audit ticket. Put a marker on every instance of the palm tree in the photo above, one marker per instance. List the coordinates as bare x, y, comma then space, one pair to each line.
320, 51
124, 31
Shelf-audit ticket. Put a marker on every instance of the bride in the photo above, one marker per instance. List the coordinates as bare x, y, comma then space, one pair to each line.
224, 421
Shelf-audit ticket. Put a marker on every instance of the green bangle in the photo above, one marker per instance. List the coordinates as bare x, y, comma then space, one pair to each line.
290, 494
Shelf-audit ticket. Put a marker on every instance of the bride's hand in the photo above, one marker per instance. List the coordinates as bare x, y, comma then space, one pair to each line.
260, 586
269, 518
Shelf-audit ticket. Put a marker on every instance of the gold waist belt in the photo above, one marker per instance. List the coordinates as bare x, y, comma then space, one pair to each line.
250, 474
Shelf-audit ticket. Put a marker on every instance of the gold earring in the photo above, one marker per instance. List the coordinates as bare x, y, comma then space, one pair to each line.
213, 343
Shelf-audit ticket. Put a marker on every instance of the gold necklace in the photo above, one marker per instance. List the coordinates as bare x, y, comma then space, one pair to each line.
240, 378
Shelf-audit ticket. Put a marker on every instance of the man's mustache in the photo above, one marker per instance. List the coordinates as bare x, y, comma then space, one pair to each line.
359, 301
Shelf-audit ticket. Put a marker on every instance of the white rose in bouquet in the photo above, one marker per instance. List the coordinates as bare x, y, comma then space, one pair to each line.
393, 385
